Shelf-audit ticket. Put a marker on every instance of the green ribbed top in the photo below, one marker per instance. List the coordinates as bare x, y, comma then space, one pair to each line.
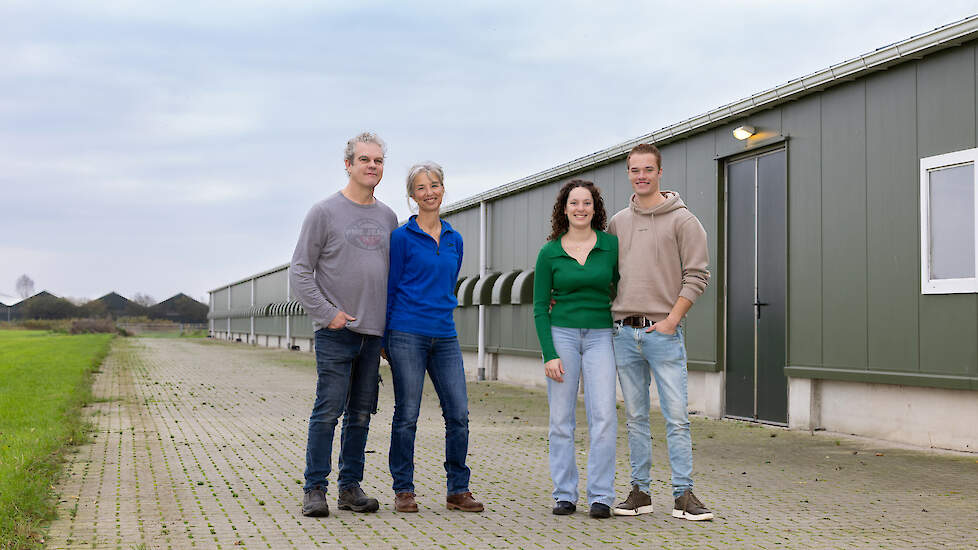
582, 293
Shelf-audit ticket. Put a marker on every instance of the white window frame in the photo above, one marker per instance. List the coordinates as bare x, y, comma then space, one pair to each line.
928, 164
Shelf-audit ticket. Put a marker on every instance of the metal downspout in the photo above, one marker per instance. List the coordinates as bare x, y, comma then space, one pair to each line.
481, 373
288, 298
229, 313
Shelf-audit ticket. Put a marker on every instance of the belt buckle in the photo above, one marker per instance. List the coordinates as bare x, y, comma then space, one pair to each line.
634, 321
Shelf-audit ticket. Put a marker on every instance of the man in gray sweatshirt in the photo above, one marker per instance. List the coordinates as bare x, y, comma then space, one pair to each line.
339, 275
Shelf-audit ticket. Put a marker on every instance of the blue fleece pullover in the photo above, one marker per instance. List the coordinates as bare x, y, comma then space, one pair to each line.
421, 282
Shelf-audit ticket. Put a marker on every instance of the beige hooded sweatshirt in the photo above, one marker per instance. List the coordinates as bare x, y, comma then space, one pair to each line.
662, 255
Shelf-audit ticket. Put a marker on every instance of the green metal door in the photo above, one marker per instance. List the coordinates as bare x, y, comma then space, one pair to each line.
756, 200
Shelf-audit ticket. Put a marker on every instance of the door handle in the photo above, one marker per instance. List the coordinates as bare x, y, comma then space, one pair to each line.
757, 308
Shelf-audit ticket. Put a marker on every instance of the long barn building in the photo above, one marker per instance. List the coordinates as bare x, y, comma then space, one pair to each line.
842, 238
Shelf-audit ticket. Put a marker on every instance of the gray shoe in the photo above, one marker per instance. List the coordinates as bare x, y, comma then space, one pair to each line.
314, 503
689, 507
354, 499
636, 503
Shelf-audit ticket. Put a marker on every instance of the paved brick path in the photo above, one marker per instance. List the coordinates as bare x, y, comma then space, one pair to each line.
201, 445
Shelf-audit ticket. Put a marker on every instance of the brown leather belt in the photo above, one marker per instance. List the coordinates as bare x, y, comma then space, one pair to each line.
637, 321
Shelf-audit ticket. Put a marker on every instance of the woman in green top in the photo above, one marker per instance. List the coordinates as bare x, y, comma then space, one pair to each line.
576, 272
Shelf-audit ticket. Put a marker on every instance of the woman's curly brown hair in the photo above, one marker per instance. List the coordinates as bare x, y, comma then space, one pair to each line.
558, 221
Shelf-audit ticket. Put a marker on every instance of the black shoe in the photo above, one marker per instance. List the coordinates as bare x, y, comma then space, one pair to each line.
599, 511
564, 508
689, 507
354, 499
314, 503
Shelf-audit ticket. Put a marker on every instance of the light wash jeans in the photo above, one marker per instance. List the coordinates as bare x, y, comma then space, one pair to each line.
640, 355
587, 354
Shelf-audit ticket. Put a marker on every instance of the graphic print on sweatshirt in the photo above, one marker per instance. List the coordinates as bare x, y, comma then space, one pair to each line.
366, 234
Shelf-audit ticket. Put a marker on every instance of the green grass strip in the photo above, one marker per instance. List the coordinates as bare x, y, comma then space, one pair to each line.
45, 379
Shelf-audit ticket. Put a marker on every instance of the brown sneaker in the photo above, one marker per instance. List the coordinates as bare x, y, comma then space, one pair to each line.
463, 502
689, 507
636, 503
404, 502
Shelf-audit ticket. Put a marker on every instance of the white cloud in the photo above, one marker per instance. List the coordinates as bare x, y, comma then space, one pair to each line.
199, 113
222, 14
33, 58
163, 192
185, 125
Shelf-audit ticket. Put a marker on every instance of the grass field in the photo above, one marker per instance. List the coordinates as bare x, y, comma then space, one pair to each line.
45, 378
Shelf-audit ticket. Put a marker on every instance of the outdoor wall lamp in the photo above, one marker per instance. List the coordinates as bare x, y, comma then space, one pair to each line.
743, 132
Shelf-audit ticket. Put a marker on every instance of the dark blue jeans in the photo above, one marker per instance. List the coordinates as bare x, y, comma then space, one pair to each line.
347, 365
411, 355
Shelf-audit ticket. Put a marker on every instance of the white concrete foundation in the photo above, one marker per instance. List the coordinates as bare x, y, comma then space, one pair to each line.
518, 370
305, 344
928, 417
802, 410
706, 395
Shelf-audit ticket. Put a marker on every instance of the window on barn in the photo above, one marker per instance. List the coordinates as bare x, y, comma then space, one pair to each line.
948, 232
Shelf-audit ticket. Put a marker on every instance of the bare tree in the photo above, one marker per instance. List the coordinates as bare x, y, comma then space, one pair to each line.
25, 286
143, 299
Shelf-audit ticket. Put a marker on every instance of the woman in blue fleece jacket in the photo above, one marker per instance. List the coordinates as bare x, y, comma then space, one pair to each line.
426, 255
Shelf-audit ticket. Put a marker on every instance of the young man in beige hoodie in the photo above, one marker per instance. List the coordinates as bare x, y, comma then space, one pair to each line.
663, 265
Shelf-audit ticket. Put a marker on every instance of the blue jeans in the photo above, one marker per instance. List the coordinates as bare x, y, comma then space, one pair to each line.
411, 355
639, 354
588, 354
347, 364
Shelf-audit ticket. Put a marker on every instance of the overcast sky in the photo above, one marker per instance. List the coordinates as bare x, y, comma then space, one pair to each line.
165, 147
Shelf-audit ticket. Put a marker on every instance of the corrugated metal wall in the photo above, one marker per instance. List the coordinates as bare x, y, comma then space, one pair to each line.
854, 241
272, 287
219, 301
272, 326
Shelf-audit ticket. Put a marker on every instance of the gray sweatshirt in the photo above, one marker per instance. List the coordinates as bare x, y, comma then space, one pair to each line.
341, 262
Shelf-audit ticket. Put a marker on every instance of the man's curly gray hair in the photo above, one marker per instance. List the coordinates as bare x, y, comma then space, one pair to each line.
365, 137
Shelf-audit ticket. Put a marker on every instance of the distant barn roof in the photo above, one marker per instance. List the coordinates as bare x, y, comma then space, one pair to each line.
180, 308
115, 302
